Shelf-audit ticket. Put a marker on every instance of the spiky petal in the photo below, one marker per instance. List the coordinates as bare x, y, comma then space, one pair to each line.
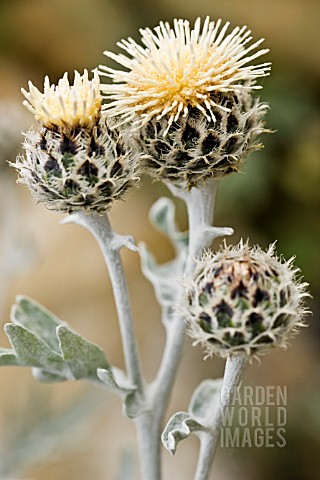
181, 68
65, 105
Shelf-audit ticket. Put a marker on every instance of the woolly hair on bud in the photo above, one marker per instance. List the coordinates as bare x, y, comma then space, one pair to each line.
195, 148
77, 168
243, 300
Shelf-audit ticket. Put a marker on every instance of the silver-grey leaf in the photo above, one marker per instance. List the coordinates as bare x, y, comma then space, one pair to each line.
162, 215
179, 427
82, 356
45, 376
205, 398
8, 357
34, 352
164, 278
115, 379
36, 318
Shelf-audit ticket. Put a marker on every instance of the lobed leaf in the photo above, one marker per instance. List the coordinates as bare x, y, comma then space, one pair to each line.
115, 379
203, 402
162, 215
41, 341
8, 357
179, 427
205, 397
32, 351
45, 376
164, 278
37, 319
82, 356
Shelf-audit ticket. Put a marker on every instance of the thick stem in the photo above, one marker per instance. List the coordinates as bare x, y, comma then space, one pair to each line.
149, 446
233, 374
200, 204
110, 243
208, 446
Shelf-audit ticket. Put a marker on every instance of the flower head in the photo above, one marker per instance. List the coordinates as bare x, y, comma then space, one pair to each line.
65, 105
181, 68
78, 170
243, 300
75, 161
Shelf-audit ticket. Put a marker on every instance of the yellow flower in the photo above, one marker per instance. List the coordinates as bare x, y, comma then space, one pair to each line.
66, 105
180, 68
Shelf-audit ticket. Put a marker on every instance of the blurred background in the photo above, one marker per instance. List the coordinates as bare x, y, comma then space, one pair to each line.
71, 431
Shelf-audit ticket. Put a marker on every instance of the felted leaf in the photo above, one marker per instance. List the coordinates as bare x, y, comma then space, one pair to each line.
162, 215
115, 379
208, 233
8, 357
37, 319
56, 353
179, 427
205, 397
47, 377
34, 352
164, 278
133, 405
82, 356
203, 401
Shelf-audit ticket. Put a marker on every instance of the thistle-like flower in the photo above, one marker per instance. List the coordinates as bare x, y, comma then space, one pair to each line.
243, 300
75, 161
65, 105
190, 92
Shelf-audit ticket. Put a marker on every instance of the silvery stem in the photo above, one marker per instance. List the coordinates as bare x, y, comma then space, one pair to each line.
110, 243
149, 444
200, 205
234, 370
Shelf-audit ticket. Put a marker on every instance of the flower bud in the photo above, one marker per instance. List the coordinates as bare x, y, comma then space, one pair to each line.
76, 161
243, 300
